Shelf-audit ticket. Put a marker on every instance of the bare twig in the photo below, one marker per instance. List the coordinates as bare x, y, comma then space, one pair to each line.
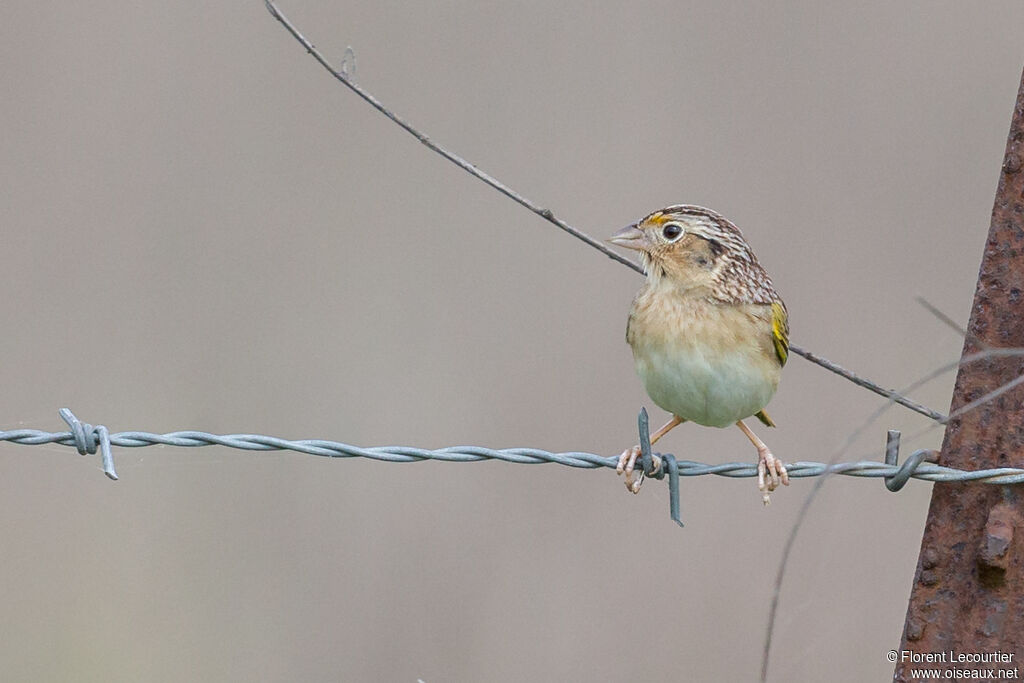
949, 322
549, 216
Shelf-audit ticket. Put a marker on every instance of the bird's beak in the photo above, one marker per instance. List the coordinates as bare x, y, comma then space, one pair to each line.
630, 237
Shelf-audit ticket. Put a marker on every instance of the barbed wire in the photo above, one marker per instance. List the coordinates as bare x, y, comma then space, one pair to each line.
89, 439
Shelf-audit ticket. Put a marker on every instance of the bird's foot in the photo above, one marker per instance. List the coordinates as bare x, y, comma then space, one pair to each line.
627, 466
768, 464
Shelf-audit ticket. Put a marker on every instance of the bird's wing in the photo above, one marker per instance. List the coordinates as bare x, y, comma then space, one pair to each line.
780, 331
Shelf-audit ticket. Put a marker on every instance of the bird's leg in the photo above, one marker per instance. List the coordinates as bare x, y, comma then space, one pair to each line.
766, 464
627, 461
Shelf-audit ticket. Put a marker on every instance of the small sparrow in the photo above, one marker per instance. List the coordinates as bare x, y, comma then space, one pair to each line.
709, 332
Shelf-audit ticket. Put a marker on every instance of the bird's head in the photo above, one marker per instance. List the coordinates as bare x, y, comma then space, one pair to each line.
692, 246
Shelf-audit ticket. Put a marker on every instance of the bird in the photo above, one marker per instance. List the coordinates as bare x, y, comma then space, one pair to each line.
708, 330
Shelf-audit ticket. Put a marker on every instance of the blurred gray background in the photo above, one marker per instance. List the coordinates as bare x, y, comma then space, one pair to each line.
202, 230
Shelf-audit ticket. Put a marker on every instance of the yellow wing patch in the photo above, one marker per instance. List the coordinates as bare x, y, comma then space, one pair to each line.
780, 331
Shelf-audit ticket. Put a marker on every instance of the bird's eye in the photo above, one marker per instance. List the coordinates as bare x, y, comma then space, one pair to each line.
671, 232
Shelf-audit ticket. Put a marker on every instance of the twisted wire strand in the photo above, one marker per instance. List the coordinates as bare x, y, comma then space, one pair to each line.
526, 456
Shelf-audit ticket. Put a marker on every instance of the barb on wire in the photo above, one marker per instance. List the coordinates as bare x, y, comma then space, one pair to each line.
86, 439
656, 464
344, 77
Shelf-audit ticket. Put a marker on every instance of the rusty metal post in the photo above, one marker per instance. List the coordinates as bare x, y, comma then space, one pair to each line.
968, 594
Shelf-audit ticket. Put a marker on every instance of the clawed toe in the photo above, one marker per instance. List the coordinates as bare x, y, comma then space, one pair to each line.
627, 460
770, 473
627, 466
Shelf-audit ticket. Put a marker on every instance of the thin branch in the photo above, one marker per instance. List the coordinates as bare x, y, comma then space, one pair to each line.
949, 322
549, 216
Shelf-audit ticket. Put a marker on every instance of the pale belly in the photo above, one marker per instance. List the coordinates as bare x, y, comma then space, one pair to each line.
711, 374
715, 392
